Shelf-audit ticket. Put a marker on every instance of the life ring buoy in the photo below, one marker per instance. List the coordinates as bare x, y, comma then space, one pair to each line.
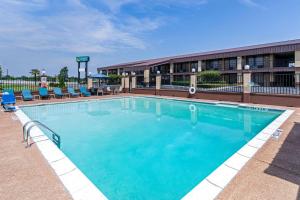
192, 108
192, 90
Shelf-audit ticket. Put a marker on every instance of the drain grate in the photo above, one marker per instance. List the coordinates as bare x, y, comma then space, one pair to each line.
277, 134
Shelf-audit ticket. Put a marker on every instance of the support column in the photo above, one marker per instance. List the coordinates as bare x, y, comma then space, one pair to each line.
146, 77
126, 83
133, 82
171, 73
199, 65
271, 76
297, 68
158, 82
246, 87
297, 59
118, 71
122, 83
239, 67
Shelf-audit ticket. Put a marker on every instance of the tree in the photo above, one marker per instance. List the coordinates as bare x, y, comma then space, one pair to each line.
63, 76
1, 71
35, 73
114, 79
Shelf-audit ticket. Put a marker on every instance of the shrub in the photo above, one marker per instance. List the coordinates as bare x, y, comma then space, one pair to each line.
210, 76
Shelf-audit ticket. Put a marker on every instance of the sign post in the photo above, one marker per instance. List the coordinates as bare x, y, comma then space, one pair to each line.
79, 60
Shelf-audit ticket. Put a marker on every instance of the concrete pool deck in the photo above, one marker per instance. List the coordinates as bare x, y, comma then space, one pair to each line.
273, 173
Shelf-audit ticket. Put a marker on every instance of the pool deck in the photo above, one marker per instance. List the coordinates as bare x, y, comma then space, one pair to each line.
273, 173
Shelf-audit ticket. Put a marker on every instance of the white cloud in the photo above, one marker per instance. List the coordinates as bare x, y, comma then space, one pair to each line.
76, 28
115, 5
251, 3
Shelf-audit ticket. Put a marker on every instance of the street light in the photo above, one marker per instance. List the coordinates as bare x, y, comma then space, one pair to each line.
43, 72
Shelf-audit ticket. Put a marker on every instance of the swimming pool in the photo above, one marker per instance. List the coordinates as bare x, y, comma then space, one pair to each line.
150, 148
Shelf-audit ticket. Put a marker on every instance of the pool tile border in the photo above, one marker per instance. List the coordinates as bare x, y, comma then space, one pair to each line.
77, 184
213, 184
80, 187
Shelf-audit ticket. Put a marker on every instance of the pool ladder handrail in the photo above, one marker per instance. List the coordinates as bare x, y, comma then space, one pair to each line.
26, 132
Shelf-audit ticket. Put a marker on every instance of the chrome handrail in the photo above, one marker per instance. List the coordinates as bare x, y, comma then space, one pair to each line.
26, 132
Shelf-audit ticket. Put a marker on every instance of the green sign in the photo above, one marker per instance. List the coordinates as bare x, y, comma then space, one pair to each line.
83, 59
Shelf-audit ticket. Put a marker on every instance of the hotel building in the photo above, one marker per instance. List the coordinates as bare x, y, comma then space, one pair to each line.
265, 61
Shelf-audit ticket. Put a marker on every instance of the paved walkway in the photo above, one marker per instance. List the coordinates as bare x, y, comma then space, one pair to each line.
24, 173
274, 172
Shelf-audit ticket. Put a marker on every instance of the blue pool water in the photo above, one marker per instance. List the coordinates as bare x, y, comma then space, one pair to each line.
148, 148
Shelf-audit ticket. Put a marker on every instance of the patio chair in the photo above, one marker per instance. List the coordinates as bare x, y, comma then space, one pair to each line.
100, 91
107, 90
10, 91
116, 89
84, 92
26, 95
8, 101
43, 92
58, 93
72, 92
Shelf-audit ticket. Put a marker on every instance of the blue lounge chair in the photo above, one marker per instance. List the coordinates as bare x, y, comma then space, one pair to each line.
72, 92
84, 92
8, 101
26, 95
58, 92
10, 91
43, 92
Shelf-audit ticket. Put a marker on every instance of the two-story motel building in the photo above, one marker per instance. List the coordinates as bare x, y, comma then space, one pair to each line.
264, 60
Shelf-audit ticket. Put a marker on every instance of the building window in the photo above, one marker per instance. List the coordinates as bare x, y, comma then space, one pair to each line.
230, 64
213, 65
255, 62
181, 67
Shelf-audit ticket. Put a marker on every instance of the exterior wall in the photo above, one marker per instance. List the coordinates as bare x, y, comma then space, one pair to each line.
149, 91
279, 100
234, 97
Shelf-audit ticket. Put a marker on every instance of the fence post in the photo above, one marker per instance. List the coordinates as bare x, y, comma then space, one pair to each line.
193, 79
146, 77
246, 86
133, 80
126, 82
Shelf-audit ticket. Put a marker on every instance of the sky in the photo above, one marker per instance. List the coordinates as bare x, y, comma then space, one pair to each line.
49, 34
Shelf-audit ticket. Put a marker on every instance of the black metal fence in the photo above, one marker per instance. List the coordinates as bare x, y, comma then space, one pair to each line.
31, 83
223, 84
275, 83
